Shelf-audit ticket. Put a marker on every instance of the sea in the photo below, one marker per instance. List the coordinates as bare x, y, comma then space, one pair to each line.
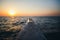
11, 26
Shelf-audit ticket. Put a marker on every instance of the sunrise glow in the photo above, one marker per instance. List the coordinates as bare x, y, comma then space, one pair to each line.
11, 12
29, 8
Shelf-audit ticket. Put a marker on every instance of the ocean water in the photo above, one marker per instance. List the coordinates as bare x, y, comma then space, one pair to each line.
10, 26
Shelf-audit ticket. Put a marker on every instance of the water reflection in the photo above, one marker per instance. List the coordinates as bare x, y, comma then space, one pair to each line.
10, 26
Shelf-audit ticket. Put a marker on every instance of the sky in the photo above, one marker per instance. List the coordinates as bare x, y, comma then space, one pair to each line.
30, 7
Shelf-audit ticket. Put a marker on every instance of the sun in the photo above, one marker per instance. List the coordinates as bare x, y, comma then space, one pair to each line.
11, 12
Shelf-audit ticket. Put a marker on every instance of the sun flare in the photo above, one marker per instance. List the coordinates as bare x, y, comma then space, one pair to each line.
11, 12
